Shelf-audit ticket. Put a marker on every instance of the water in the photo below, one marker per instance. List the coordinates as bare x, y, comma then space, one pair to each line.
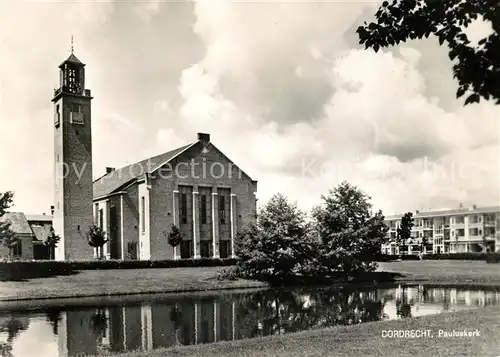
92, 327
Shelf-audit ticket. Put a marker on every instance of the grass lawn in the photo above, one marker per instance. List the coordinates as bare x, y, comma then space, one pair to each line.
446, 271
363, 340
140, 281
120, 281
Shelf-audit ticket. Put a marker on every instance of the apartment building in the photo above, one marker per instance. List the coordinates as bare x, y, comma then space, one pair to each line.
473, 229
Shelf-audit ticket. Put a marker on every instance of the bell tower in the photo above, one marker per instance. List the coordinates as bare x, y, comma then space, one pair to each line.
72, 162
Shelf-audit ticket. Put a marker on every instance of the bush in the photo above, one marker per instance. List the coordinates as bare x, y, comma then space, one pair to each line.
278, 246
228, 274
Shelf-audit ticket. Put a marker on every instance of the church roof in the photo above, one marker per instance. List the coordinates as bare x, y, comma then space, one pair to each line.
72, 59
39, 218
19, 223
117, 179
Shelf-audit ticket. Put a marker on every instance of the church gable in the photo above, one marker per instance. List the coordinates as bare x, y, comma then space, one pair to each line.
200, 160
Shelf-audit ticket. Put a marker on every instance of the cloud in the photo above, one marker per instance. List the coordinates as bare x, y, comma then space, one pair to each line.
130, 69
314, 112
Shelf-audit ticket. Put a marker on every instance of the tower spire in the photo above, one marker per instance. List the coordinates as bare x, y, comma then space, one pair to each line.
71, 44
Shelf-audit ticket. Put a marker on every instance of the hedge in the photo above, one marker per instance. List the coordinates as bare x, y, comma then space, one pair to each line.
143, 264
488, 257
392, 258
21, 270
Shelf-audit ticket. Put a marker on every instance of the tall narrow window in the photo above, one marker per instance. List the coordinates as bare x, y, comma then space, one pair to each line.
101, 219
17, 250
143, 214
57, 116
96, 212
184, 208
222, 209
203, 209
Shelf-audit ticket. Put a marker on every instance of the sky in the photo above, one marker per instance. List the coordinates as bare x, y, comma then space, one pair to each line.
283, 88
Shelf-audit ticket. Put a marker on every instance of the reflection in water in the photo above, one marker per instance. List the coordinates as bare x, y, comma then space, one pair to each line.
190, 320
11, 326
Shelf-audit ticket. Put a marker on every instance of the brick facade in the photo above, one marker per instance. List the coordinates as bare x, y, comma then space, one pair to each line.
73, 165
196, 187
200, 191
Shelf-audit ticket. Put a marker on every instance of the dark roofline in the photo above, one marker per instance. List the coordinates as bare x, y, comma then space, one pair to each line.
187, 146
71, 59
181, 150
100, 198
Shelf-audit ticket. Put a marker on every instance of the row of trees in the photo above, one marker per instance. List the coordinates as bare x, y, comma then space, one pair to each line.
339, 239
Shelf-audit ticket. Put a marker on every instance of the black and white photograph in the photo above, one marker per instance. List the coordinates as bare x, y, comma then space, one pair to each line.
223, 178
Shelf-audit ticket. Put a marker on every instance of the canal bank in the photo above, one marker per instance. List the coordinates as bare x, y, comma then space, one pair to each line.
158, 324
102, 283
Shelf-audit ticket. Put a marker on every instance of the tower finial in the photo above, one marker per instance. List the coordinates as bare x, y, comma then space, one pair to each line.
71, 44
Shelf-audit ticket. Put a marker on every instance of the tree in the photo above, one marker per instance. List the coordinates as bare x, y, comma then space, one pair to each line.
277, 247
350, 234
403, 232
53, 316
174, 236
51, 241
403, 306
96, 238
99, 323
477, 68
486, 244
423, 243
7, 236
176, 318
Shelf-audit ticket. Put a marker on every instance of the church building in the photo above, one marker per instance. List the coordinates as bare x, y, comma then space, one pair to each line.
194, 187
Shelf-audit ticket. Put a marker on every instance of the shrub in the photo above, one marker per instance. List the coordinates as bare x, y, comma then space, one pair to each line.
228, 274
278, 246
51, 241
96, 238
174, 236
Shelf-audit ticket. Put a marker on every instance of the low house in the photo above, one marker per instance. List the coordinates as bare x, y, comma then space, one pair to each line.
30, 231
